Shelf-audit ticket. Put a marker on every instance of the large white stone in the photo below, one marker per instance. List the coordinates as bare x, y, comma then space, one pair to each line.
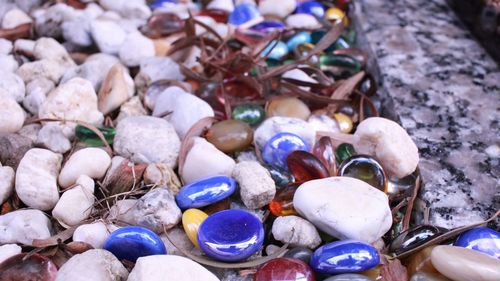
225, 5
11, 115
8, 63
185, 109
296, 231
36, 178
12, 86
257, 188
52, 137
48, 21
169, 268
136, 48
272, 126
91, 161
48, 69
346, 208
22, 226
204, 160
134, 9
277, 8
76, 203
7, 175
116, 89
94, 234
9, 250
108, 35
94, 69
50, 49
14, 18
95, 265
5, 46
157, 68
145, 139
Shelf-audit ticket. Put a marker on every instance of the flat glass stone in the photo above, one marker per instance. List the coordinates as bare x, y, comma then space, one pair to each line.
413, 237
324, 151
243, 13
90, 138
349, 277
287, 107
230, 135
191, 221
312, 8
297, 39
34, 267
231, 235
304, 166
284, 269
344, 151
277, 149
364, 168
132, 242
252, 114
205, 191
281, 177
301, 253
275, 50
269, 26
282, 204
346, 256
481, 239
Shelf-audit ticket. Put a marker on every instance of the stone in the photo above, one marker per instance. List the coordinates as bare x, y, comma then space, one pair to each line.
181, 240
230, 135
94, 69
275, 50
296, 231
11, 86
288, 107
268, 7
301, 253
108, 35
49, 49
155, 210
257, 187
5, 46
205, 192
277, 149
243, 13
132, 242
97, 265
29, 132
224, 5
135, 9
413, 237
389, 143
8, 63
247, 235
365, 168
191, 221
284, 269
124, 211
36, 93
132, 107
349, 277
252, 114
185, 109
76, 203
73, 100
12, 149
48, 21
323, 123
52, 137
345, 208
304, 166
7, 175
169, 267
462, 264
135, 48
312, 8
481, 239
302, 21
116, 89
155, 69
92, 162
93, 234
273, 125
11, 115
346, 256
28, 266
425, 276
22, 226
47, 69
205, 160
14, 18
77, 31
36, 178
159, 174
421, 262
9, 250
297, 39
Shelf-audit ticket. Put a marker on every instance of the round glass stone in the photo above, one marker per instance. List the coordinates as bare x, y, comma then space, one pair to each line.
277, 149
34, 267
297, 39
243, 13
312, 8
344, 151
230, 135
364, 168
481, 239
205, 191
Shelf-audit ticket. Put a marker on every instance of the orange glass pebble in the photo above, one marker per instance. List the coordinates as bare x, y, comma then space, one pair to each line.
230, 135
304, 166
191, 221
282, 204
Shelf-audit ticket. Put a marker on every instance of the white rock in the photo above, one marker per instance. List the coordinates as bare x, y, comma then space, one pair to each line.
389, 143
204, 160
73, 100
136, 48
181, 240
30, 131
95, 265
24, 46
146, 139
52, 137
48, 69
22, 226
346, 208
76, 203
14, 18
9, 250
11, 115
28, 5
77, 31
157, 68
157, 209
116, 89
6, 183
95, 68
50, 49
8, 63
257, 187
48, 21
298, 74
302, 21
169, 268
36, 178
132, 107
5, 46
108, 35
12, 85
94, 234
186, 109
123, 211
296, 231
162, 175
270, 7
36, 94
278, 124
323, 123
136, 9
225, 5
91, 161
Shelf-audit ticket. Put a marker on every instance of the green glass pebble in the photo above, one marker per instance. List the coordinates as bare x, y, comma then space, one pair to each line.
342, 63
252, 114
90, 138
344, 151
350, 36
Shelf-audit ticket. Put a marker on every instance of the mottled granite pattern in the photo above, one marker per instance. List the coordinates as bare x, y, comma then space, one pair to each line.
446, 93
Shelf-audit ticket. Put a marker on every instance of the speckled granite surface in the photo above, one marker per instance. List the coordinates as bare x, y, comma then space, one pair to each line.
446, 92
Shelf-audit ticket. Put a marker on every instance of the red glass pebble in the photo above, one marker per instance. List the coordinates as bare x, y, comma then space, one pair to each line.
304, 166
217, 15
325, 152
284, 269
23, 267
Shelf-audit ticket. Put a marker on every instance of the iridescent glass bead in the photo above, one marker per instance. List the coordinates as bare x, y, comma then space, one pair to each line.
364, 168
344, 151
413, 237
281, 269
33, 267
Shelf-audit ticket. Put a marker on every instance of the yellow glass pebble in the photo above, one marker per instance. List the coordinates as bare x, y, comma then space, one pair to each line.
191, 221
344, 122
336, 15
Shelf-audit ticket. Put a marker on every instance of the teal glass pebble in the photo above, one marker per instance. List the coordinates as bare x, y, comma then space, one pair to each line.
340, 65
297, 39
252, 114
276, 50
344, 151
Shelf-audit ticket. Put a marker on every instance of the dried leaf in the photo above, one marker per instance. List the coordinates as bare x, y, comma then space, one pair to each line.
347, 86
393, 271
20, 31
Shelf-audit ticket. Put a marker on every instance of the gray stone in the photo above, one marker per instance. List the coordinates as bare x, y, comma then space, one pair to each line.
12, 149
257, 187
108, 35
296, 231
22, 226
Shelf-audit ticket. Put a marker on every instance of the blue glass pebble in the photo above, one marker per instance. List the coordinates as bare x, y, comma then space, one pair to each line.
346, 256
268, 26
159, 3
132, 242
205, 191
481, 239
243, 13
276, 50
311, 7
277, 149
297, 39
231, 235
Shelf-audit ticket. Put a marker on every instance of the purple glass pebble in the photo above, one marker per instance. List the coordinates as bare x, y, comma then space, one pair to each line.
268, 26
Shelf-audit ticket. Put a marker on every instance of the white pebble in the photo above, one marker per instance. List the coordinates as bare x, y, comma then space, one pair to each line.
12, 85
76, 203
14, 18
302, 21
108, 35
135, 48
22, 226
7, 175
36, 93
52, 137
11, 114
91, 161
93, 234
9, 250
296, 231
270, 7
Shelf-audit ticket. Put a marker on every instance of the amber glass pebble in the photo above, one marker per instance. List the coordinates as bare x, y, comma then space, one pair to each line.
324, 151
282, 204
365, 168
304, 166
230, 135
288, 107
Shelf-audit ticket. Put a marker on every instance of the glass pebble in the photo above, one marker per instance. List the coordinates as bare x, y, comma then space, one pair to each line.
90, 138
413, 237
312, 8
344, 122
324, 151
34, 267
281, 177
282, 204
364, 168
344, 151
268, 26
205, 191
304, 166
287, 107
349, 277
481, 239
284, 269
243, 13
301, 253
277, 149
252, 114
218, 15
191, 221
162, 24
275, 50
297, 39
230, 135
